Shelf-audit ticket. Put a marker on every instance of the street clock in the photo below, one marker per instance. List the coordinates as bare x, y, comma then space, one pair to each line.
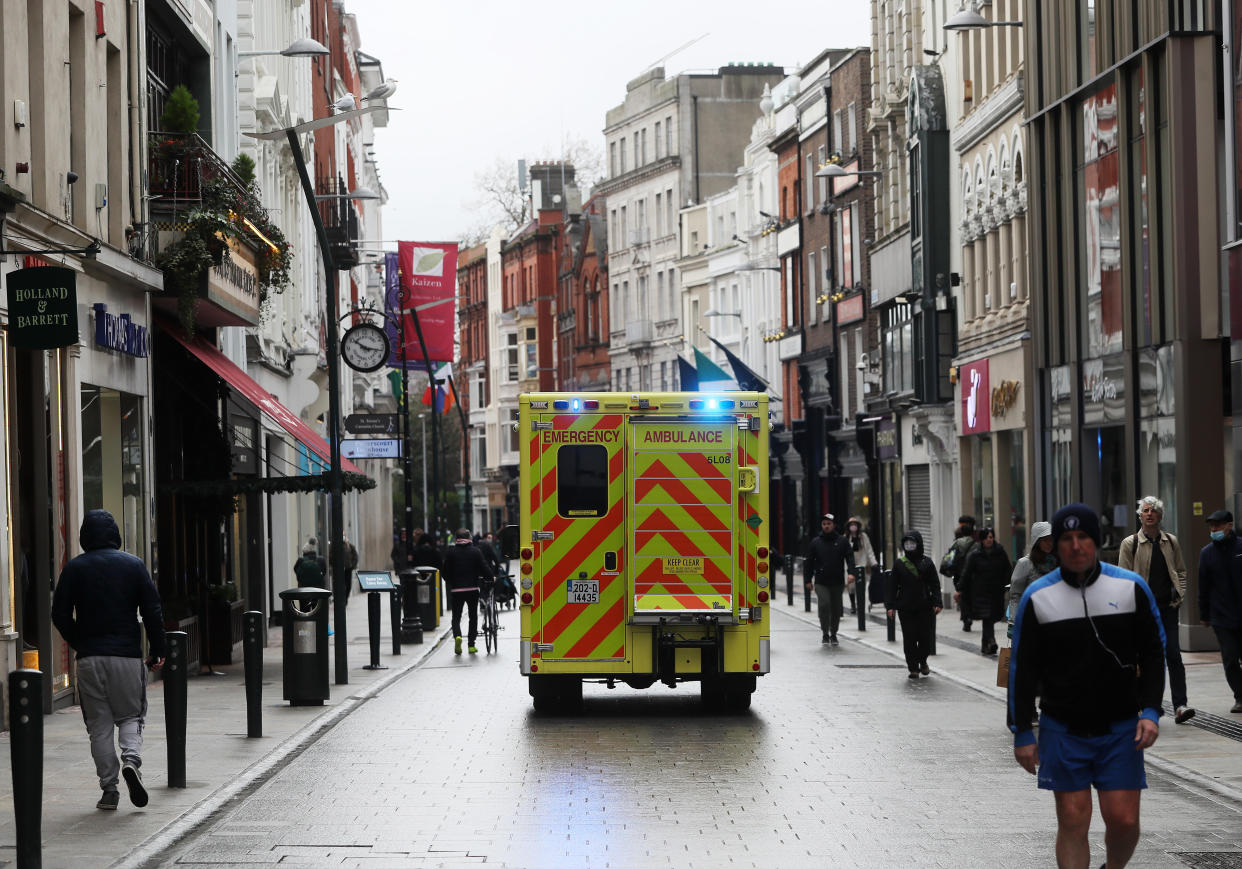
365, 347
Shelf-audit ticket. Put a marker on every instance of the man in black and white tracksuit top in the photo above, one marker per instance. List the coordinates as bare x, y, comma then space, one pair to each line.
1088, 639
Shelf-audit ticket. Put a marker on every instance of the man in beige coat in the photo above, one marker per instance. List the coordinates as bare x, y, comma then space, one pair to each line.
1155, 555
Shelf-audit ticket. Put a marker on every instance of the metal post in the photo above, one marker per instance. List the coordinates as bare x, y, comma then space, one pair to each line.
336, 516
860, 596
422, 417
175, 704
252, 655
789, 576
394, 617
373, 630
806, 591
931, 646
26, 753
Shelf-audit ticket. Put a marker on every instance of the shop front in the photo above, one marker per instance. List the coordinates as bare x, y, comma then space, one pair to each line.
995, 451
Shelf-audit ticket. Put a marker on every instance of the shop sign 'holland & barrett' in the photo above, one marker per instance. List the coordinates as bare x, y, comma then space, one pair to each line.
43, 308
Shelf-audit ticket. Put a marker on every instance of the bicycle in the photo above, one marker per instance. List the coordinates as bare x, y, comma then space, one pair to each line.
490, 618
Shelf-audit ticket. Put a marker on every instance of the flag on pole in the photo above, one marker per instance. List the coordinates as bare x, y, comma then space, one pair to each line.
689, 377
747, 379
711, 375
444, 395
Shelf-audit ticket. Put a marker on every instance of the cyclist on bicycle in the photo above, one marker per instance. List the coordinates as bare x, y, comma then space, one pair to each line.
466, 572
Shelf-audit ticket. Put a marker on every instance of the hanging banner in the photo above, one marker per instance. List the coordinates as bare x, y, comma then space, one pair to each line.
427, 282
43, 308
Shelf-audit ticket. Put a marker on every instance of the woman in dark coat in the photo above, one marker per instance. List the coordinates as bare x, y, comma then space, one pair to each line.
914, 594
982, 588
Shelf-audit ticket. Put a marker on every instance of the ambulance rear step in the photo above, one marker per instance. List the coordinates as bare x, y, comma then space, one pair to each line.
664, 648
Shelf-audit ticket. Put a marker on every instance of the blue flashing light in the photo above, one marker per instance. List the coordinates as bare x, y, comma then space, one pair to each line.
726, 404
711, 404
577, 404
560, 405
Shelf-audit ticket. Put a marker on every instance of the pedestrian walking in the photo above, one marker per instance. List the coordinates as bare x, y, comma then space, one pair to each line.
94, 607
425, 552
1087, 639
1220, 597
351, 556
864, 557
1039, 561
828, 558
1155, 555
955, 559
307, 569
400, 552
465, 572
984, 579
323, 562
914, 596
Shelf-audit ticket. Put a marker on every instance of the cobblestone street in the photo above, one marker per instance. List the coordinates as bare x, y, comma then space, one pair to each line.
842, 761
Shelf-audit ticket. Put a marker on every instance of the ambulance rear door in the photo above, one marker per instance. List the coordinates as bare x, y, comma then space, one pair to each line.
683, 512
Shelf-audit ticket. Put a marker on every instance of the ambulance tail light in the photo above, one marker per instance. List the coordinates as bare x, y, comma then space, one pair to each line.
762, 552
527, 597
528, 568
763, 597
528, 553
762, 567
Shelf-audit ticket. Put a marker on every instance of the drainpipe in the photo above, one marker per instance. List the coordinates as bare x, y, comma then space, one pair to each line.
694, 126
137, 142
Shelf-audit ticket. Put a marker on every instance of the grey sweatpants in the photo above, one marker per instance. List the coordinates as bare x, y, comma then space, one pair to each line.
114, 695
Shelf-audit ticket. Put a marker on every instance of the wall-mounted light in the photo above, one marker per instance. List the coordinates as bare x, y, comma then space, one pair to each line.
970, 19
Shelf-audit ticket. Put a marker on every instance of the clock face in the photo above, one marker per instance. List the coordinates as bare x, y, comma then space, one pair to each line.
365, 347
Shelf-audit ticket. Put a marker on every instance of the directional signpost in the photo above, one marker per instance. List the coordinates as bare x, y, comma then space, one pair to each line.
371, 423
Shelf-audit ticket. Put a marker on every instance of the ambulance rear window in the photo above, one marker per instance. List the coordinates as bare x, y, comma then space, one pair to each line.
582, 481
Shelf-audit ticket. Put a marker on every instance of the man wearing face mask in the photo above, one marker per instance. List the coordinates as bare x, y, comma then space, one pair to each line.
914, 596
1088, 640
1220, 597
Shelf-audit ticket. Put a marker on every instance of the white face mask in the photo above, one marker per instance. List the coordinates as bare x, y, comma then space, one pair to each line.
909, 545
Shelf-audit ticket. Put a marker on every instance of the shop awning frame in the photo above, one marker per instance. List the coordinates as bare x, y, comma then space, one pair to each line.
254, 392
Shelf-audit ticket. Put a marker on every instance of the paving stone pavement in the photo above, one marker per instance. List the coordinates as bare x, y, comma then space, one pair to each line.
842, 761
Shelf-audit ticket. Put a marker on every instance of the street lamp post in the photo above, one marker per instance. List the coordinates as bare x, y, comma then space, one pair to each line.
336, 516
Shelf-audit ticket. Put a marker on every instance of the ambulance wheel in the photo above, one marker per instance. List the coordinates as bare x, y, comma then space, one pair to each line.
737, 690
551, 694
739, 701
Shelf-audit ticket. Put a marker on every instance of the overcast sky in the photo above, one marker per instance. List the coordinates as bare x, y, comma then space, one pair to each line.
496, 79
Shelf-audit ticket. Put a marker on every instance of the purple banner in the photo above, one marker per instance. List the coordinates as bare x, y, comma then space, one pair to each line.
393, 308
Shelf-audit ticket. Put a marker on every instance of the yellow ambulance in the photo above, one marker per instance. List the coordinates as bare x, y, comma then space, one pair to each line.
643, 543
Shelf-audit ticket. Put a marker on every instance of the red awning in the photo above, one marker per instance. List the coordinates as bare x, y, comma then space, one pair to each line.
209, 355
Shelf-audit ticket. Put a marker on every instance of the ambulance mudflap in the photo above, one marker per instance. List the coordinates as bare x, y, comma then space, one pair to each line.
643, 545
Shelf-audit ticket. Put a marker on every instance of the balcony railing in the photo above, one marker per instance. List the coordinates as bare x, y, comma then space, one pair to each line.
340, 221
179, 164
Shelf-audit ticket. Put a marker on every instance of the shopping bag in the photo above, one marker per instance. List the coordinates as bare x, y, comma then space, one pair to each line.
1002, 668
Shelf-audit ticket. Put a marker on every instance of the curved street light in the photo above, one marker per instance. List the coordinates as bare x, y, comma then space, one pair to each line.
970, 19
304, 47
336, 518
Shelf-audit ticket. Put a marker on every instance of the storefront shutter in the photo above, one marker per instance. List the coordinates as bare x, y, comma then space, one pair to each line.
918, 500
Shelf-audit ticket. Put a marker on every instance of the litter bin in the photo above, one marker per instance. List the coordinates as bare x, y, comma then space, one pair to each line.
304, 636
428, 597
411, 613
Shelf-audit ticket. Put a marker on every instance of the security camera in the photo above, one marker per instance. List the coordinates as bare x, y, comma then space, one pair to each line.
71, 176
863, 360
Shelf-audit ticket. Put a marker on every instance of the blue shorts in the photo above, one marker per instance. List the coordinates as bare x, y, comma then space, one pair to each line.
1075, 763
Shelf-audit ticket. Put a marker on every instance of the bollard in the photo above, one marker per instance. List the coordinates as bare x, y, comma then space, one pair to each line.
789, 570
175, 704
26, 752
807, 594
860, 596
394, 617
411, 593
373, 630
252, 655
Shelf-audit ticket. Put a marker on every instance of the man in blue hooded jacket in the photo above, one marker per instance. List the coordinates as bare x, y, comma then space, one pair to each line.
95, 607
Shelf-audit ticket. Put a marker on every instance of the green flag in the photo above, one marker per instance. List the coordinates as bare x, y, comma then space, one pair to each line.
711, 375
394, 377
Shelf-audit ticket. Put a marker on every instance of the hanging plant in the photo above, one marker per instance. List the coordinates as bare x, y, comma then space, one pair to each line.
223, 210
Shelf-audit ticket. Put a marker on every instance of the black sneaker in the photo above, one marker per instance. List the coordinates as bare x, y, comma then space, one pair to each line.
108, 801
924, 669
833, 639
133, 780
1237, 707
966, 627
1184, 714
914, 674
826, 640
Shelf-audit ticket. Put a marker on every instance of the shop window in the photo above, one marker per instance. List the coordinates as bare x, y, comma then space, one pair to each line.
1099, 205
1156, 456
1058, 442
582, 475
898, 341
1017, 490
113, 467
